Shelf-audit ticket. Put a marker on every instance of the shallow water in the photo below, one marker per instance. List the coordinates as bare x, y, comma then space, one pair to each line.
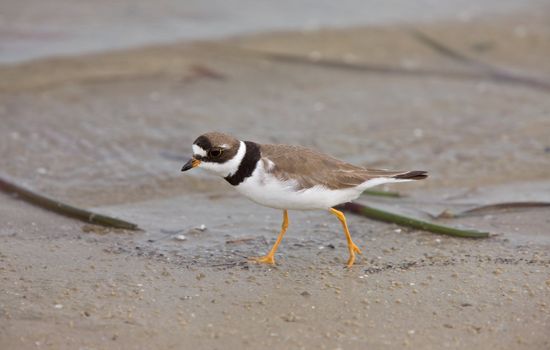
33, 29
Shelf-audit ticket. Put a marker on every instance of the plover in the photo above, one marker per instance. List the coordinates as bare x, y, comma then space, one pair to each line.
289, 178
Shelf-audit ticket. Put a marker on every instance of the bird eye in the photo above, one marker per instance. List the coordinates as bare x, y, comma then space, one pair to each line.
215, 153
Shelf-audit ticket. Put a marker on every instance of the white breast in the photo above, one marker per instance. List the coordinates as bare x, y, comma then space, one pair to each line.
265, 189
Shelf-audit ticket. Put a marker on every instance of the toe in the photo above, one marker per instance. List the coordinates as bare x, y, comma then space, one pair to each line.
351, 260
268, 259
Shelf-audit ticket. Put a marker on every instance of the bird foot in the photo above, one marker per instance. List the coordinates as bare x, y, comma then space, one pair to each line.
267, 259
352, 250
351, 260
356, 248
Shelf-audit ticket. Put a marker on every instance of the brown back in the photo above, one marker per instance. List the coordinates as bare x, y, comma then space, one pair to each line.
309, 168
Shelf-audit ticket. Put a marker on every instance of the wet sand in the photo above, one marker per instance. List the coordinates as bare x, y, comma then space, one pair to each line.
109, 132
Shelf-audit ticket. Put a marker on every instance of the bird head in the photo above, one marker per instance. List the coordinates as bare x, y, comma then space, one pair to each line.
217, 153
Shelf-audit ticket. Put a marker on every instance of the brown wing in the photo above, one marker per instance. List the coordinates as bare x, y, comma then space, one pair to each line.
310, 168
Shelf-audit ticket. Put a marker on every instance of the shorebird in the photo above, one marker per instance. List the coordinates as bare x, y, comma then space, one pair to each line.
289, 177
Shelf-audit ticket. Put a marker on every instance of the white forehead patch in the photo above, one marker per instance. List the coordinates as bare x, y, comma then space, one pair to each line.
198, 150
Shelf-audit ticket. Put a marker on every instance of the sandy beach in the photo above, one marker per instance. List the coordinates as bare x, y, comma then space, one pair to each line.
464, 98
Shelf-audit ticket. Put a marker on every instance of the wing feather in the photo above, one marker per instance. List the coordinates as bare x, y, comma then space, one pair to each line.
310, 168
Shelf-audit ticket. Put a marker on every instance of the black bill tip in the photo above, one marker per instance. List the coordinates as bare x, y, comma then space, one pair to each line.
190, 164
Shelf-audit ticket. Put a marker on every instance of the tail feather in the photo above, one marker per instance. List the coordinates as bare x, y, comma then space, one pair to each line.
412, 175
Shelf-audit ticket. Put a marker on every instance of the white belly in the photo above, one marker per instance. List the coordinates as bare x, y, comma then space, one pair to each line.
267, 190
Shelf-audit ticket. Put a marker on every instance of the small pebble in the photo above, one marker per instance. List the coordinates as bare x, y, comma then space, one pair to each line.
290, 317
180, 237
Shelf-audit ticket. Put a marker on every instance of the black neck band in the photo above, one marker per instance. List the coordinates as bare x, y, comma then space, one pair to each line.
248, 164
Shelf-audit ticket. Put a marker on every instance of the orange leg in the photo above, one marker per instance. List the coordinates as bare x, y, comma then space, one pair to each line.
270, 257
351, 246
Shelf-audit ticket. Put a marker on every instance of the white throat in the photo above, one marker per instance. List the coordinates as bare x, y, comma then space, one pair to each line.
228, 168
